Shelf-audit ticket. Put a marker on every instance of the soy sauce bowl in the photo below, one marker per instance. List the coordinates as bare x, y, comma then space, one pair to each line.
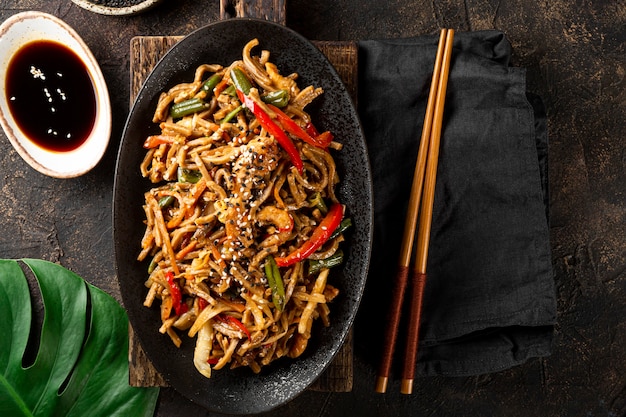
25, 30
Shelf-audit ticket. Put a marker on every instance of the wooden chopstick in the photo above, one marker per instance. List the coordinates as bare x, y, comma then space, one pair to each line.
418, 276
427, 153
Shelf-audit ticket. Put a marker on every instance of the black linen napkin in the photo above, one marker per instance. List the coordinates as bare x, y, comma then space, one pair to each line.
490, 298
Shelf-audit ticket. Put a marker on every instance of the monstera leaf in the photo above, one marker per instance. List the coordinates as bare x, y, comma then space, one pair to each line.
81, 363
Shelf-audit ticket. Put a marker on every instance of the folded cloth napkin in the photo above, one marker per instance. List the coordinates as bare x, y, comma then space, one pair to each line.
490, 296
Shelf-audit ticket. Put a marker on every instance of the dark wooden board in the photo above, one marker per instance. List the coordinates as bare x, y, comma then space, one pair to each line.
145, 52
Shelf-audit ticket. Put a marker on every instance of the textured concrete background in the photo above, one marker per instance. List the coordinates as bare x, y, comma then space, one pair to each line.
574, 53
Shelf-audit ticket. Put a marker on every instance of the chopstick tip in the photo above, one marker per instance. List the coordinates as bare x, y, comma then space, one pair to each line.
406, 387
381, 384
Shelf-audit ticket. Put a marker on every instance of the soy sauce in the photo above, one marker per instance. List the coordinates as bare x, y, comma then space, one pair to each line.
51, 96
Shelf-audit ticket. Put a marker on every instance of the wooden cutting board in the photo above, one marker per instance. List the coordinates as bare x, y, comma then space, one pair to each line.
145, 52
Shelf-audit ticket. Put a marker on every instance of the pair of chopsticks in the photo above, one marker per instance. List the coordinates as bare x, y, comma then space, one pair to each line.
424, 179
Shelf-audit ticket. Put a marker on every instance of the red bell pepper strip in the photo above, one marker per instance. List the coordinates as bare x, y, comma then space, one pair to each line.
230, 320
311, 129
324, 137
273, 129
292, 127
320, 235
202, 303
177, 297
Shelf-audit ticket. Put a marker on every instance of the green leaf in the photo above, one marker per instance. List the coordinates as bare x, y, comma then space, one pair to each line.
81, 366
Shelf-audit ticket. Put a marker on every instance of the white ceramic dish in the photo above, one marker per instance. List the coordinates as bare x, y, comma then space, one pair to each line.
26, 27
117, 11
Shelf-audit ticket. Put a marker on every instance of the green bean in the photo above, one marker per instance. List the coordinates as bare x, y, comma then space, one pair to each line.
232, 114
316, 265
188, 175
231, 91
278, 98
275, 282
166, 201
187, 107
345, 224
240, 80
210, 84
316, 200
152, 266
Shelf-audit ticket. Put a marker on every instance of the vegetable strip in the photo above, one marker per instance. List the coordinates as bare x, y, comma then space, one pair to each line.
320, 235
276, 283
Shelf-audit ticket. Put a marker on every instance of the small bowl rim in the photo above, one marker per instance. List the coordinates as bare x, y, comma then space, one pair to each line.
91, 152
117, 11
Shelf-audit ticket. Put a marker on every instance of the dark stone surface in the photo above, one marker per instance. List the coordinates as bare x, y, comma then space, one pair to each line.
574, 53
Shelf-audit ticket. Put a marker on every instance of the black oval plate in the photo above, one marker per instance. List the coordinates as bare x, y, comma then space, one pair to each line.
240, 391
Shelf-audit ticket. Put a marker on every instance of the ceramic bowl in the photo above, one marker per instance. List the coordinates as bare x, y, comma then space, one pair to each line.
20, 30
133, 9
